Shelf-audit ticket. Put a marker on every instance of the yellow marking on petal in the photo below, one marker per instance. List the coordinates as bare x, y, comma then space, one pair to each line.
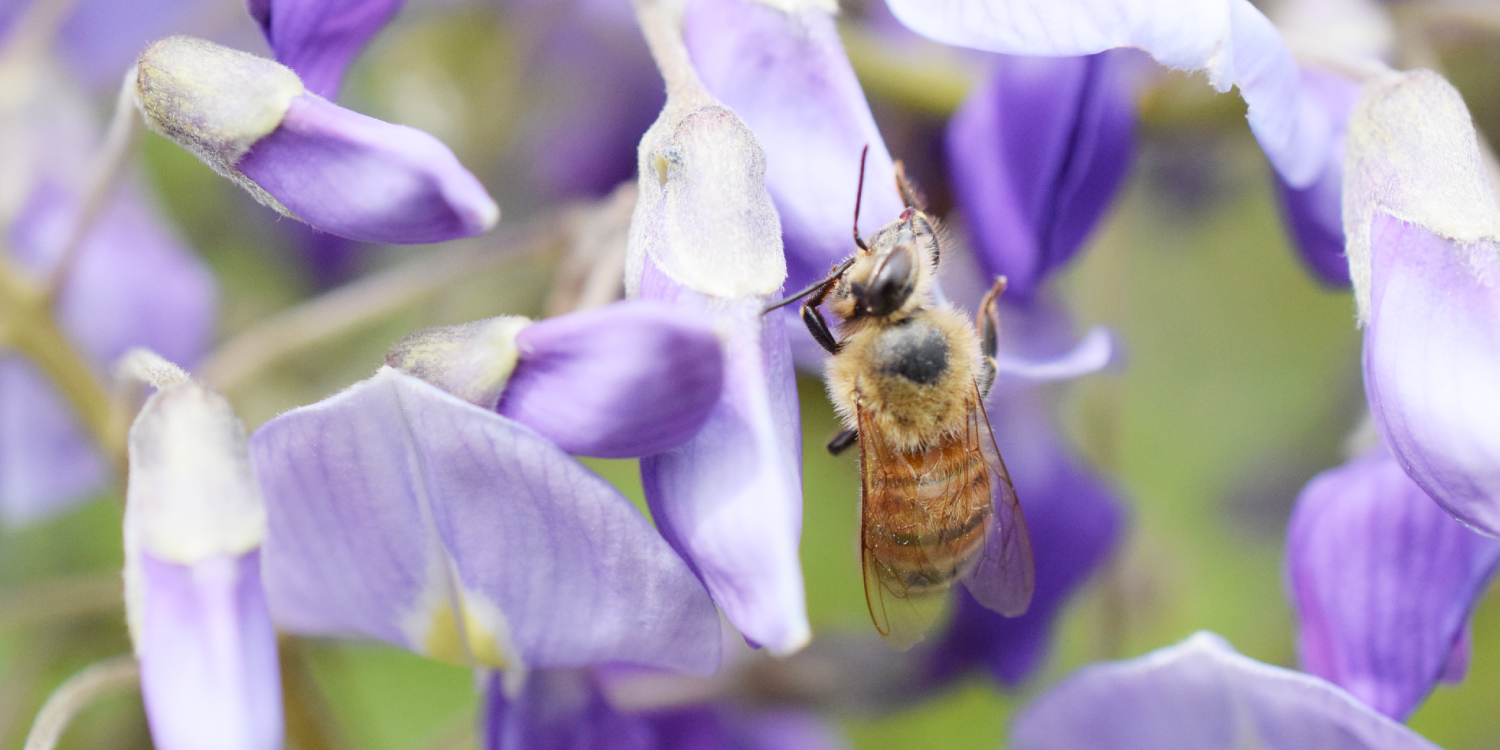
444, 642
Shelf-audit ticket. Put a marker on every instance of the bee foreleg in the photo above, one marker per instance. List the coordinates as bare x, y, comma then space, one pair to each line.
818, 327
842, 441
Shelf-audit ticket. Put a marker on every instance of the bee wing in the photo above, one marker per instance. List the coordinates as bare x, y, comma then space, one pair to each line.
1005, 575
901, 614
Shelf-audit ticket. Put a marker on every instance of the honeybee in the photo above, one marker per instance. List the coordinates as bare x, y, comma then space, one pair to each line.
909, 378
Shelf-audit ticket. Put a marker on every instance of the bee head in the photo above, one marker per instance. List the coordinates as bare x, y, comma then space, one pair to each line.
898, 265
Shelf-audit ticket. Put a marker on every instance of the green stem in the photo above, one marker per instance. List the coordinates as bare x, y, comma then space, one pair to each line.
28, 326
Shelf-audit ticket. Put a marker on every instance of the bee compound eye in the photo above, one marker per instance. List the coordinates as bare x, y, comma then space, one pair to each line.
891, 284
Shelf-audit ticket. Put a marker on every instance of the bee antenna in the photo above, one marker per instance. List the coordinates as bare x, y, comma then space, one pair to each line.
859, 195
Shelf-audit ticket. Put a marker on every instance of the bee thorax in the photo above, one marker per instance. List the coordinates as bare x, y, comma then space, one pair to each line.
913, 350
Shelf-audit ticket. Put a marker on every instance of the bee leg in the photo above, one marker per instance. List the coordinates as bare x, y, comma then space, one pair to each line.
818, 327
842, 441
988, 323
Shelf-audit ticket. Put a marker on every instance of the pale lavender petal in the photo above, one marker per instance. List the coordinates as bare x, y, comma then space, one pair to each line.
730, 499
1457, 667
1314, 213
132, 284
1202, 695
1036, 154
209, 674
361, 178
628, 380
787, 76
1233, 42
1431, 359
603, 91
102, 37
393, 499
559, 709
319, 38
1096, 351
1383, 581
1075, 522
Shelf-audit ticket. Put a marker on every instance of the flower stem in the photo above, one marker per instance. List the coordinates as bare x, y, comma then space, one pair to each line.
28, 326
95, 681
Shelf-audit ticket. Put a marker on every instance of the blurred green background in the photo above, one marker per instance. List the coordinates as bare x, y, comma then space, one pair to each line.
1242, 382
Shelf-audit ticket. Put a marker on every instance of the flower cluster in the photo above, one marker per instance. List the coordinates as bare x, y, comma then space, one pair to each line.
452, 504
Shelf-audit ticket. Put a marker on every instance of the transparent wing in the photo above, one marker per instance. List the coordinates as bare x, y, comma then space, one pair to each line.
902, 613
1004, 577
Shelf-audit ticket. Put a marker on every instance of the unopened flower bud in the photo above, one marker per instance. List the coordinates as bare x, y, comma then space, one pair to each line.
253, 121
214, 101
194, 523
472, 361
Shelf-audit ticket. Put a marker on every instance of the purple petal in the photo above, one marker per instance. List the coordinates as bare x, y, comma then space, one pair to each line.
132, 284
364, 179
318, 38
730, 499
603, 92
392, 500
628, 380
1431, 359
559, 709
1314, 213
102, 37
1037, 152
787, 76
1075, 522
1383, 581
1235, 45
721, 727
1201, 695
209, 674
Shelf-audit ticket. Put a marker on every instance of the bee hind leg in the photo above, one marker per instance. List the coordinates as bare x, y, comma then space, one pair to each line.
842, 441
988, 323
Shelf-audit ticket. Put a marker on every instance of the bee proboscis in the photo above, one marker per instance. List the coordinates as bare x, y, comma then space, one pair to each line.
909, 379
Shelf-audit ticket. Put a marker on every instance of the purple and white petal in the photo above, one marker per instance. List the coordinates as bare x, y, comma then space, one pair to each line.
1383, 581
193, 598
319, 38
253, 121
1314, 213
786, 74
1424, 251
1037, 152
393, 500
1231, 41
730, 499
1202, 695
627, 380
1075, 520
131, 284
209, 673
365, 179
559, 709
706, 238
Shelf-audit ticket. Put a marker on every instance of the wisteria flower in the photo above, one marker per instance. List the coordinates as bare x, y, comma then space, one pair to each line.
406, 509
1201, 694
253, 121
194, 524
1383, 581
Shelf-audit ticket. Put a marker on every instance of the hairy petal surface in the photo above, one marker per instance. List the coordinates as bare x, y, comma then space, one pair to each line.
627, 380
1037, 152
319, 38
364, 179
1383, 581
1228, 39
1202, 695
786, 74
395, 509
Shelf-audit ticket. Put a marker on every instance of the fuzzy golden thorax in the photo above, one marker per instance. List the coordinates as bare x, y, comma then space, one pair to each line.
913, 375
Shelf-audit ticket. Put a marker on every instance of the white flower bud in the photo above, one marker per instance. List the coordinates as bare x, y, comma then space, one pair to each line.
472, 361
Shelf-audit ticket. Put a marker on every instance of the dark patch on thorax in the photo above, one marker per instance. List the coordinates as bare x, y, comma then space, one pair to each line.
912, 349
